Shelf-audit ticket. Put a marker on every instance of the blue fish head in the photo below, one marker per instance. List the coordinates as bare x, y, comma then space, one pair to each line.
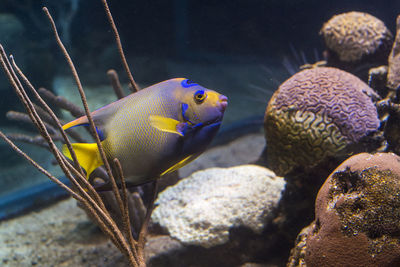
201, 106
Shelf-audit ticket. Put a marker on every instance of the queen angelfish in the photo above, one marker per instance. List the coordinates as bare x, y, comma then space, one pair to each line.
154, 131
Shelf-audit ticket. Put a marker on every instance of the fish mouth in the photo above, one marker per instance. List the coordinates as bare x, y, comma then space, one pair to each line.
217, 120
222, 103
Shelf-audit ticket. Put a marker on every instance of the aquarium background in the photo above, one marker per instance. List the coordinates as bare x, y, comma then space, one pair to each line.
238, 48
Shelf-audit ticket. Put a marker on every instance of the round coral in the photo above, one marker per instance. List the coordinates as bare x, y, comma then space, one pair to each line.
315, 114
354, 35
358, 214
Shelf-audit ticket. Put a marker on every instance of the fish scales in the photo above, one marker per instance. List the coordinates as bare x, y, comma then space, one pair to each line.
132, 139
154, 131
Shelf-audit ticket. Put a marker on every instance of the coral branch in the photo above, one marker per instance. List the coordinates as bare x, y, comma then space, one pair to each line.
129, 206
61, 102
23, 117
34, 140
113, 76
120, 50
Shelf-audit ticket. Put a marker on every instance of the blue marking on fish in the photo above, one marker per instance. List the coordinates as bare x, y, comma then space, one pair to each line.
99, 132
188, 83
154, 131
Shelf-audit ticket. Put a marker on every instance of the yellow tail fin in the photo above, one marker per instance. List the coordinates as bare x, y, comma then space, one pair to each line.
87, 154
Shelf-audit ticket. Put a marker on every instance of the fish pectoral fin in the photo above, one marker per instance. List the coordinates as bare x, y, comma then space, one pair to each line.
168, 125
180, 164
87, 154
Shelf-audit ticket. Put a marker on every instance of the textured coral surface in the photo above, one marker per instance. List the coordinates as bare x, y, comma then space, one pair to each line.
358, 214
353, 35
394, 61
317, 113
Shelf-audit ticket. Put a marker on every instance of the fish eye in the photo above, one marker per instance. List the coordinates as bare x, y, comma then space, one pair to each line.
200, 96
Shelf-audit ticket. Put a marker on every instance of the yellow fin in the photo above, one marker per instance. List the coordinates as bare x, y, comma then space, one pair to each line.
87, 154
180, 164
165, 124
79, 121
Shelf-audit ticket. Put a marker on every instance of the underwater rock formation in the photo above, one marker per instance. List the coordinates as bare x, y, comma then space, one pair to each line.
203, 208
357, 216
316, 114
394, 61
392, 128
355, 39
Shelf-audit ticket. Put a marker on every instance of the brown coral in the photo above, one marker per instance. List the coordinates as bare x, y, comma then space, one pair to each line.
354, 35
315, 114
394, 61
358, 214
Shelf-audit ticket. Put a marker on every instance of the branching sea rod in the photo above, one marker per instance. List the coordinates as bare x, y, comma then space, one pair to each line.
138, 139
81, 189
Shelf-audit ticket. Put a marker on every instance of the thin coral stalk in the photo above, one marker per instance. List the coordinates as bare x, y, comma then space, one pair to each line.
61, 102
37, 166
133, 251
23, 117
86, 107
44, 115
43, 131
137, 211
33, 114
115, 83
81, 189
125, 208
104, 220
149, 210
134, 85
83, 98
50, 112
34, 140
52, 119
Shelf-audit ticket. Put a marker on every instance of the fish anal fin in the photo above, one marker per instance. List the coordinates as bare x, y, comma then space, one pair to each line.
180, 164
168, 125
87, 154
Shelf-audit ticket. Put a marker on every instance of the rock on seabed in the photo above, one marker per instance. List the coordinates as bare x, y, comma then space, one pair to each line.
201, 209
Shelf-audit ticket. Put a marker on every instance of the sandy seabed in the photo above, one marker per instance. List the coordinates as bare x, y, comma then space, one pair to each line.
63, 235
59, 235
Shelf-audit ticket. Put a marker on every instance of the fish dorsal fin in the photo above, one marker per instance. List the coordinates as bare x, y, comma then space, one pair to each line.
100, 117
168, 125
87, 154
180, 164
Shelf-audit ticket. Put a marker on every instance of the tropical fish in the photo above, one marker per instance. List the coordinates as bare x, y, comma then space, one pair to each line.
154, 131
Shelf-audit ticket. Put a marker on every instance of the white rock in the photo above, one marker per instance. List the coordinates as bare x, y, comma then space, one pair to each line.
201, 209
243, 150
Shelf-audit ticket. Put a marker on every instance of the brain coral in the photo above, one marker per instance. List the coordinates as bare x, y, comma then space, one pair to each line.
357, 214
354, 35
314, 114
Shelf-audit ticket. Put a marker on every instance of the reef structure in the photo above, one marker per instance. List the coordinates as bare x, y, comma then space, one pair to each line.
316, 114
393, 81
355, 41
357, 214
